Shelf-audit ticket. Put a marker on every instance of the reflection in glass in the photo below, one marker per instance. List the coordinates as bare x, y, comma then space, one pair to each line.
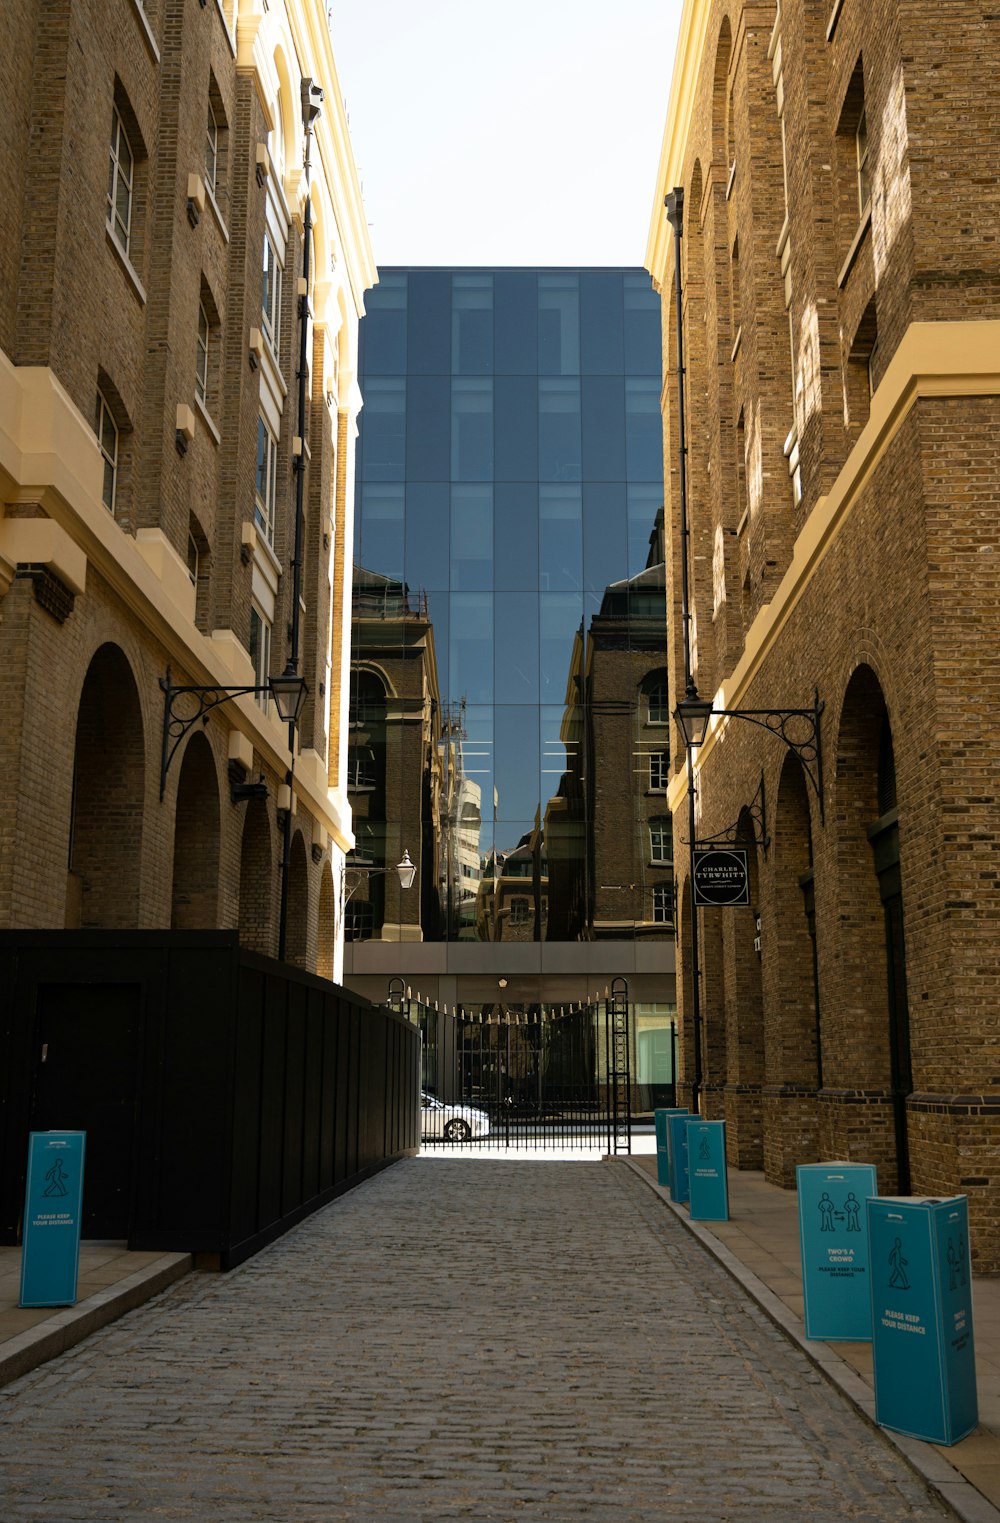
558, 430
471, 430
509, 715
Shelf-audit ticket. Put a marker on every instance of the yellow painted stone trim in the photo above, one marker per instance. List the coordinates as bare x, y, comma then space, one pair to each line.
683, 85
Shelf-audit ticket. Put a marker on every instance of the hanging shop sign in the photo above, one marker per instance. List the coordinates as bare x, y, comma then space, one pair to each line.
721, 876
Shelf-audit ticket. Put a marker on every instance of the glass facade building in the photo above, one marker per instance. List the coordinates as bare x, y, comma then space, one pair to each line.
509, 715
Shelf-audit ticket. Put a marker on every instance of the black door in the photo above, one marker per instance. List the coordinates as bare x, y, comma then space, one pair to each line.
86, 1079
885, 842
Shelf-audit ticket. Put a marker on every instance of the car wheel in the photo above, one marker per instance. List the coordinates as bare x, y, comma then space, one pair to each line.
457, 1130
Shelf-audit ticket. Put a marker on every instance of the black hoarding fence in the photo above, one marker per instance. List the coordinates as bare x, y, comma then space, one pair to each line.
224, 1096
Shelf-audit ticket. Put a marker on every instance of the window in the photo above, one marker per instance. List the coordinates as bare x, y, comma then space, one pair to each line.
861, 150
663, 904
211, 150
271, 294
658, 699
519, 911
107, 437
192, 559
121, 172
260, 651
359, 921
267, 458
201, 368
661, 842
361, 767
659, 762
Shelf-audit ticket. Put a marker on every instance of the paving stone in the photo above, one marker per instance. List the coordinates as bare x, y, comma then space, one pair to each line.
453, 1340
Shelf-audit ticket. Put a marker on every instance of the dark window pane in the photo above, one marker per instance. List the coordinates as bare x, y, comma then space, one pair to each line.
643, 429
472, 325
643, 345
383, 424
605, 535
560, 620
428, 428
560, 538
515, 636
558, 325
427, 524
471, 430
471, 646
644, 502
428, 336
516, 767
558, 430
516, 416
515, 302
603, 400
384, 328
515, 554
471, 538
601, 341
380, 546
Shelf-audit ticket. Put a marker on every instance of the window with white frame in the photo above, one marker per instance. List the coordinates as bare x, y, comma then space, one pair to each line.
211, 149
201, 371
107, 437
663, 904
260, 650
361, 767
658, 702
659, 765
121, 178
861, 151
267, 480
661, 848
271, 294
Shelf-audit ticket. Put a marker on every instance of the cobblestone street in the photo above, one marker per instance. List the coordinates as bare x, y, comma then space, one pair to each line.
457, 1338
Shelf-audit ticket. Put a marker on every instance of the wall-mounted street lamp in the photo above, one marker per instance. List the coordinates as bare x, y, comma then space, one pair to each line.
797, 728
405, 869
288, 692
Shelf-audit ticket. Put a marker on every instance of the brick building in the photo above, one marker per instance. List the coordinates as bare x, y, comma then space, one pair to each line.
154, 449
841, 332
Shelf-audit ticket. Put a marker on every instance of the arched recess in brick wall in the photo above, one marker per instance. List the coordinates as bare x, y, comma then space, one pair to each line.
713, 1013
794, 1063
685, 1009
699, 424
297, 934
194, 900
256, 881
109, 783
326, 928
744, 1016
871, 1069
720, 95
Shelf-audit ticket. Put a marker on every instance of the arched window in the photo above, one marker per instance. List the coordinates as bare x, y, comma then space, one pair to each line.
658, 702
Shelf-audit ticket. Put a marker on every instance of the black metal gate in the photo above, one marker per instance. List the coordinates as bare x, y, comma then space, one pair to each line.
537, 1077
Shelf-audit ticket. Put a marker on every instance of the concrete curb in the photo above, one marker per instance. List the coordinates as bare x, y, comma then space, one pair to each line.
947, 1482
60, 1332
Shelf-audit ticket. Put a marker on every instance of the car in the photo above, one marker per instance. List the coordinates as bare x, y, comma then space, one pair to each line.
452, 1123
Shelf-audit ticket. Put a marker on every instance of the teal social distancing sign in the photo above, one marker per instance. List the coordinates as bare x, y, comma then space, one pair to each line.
921, 1291
708, 1184
50, 1253
833, 1236
677, 1135
663, 1141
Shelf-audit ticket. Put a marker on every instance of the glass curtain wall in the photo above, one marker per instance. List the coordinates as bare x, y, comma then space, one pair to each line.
508, 718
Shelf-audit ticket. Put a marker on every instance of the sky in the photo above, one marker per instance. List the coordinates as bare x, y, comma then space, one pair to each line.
523, 133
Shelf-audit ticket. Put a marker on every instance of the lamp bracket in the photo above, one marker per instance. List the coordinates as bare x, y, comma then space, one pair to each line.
798, 729
732, 836
183, 708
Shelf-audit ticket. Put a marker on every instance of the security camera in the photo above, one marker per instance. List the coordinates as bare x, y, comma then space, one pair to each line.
312, 102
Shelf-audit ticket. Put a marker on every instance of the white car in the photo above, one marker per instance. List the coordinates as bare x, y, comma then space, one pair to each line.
453, 1123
